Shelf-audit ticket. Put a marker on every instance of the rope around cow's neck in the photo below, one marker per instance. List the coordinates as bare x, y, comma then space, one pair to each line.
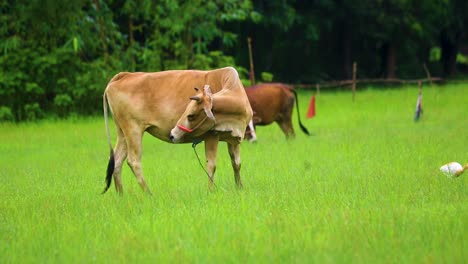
190, 130
194, 144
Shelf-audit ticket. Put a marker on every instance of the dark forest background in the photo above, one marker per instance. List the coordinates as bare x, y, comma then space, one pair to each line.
57, 56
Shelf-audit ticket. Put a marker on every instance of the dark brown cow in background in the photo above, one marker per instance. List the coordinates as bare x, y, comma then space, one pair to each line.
273, 102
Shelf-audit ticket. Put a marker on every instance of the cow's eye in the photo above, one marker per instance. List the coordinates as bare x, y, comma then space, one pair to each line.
191, 117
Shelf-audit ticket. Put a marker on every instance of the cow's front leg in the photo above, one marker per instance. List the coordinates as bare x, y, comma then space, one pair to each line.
211, 148
234, 153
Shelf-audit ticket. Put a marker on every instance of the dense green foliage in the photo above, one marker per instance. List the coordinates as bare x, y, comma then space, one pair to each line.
365, 188
56, 57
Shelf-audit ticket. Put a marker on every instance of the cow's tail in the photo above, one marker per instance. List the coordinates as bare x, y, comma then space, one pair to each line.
110, 165
303, 128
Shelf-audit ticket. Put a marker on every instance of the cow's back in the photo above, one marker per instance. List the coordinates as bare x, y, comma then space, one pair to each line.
154, 101
269, 101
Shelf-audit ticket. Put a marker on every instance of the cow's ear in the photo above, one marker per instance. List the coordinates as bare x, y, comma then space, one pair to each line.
195, 98
207, 90
196, 89
209, 113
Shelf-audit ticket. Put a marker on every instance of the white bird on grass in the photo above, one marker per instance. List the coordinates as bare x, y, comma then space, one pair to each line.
453, 169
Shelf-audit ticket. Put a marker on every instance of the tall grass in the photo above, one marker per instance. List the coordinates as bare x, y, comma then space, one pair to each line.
364, 188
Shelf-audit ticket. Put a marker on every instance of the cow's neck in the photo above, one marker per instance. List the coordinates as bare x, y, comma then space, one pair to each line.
226, 104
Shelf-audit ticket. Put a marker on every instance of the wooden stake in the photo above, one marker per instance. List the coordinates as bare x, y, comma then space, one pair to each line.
252, 72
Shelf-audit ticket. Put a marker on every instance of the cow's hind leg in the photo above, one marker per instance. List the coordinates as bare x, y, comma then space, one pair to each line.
120, 154
285, 119
287, 127
234, 153
252, 134
134, 140
211, 149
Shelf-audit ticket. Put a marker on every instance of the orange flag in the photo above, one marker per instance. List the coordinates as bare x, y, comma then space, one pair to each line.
311, 111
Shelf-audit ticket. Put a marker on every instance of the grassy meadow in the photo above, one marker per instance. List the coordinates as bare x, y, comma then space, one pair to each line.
364, 188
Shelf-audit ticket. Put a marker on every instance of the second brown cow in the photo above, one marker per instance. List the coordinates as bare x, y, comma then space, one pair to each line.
273, 102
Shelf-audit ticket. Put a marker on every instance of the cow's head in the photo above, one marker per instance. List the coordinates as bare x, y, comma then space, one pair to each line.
197, 118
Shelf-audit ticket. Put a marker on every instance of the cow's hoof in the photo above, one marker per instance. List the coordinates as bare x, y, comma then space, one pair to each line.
253, 140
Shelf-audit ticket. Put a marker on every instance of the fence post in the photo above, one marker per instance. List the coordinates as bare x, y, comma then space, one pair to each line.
354, 79
317, 88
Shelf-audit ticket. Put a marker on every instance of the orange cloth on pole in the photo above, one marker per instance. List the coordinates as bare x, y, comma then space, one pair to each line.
311, 111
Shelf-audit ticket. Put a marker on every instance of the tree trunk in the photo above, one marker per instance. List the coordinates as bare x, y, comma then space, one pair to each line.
101, 29
346, 53
449, 50
131, 41
389, 60
189, 43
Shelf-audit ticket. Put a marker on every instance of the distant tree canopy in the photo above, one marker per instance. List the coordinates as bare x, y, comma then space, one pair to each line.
57, 56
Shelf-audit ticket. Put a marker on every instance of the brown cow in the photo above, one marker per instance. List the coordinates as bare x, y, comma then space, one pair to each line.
165, 105
273, 102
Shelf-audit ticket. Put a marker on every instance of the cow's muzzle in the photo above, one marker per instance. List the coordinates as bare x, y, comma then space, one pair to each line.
176, 135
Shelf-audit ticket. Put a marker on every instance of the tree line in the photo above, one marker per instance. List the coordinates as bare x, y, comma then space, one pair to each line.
57, 56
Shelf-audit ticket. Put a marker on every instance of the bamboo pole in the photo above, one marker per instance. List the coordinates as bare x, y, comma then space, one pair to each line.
252, 72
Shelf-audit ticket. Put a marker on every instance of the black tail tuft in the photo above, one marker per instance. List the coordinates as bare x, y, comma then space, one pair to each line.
303, 128
110, 171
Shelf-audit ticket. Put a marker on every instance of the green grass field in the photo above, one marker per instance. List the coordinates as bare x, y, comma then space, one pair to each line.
364, 188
